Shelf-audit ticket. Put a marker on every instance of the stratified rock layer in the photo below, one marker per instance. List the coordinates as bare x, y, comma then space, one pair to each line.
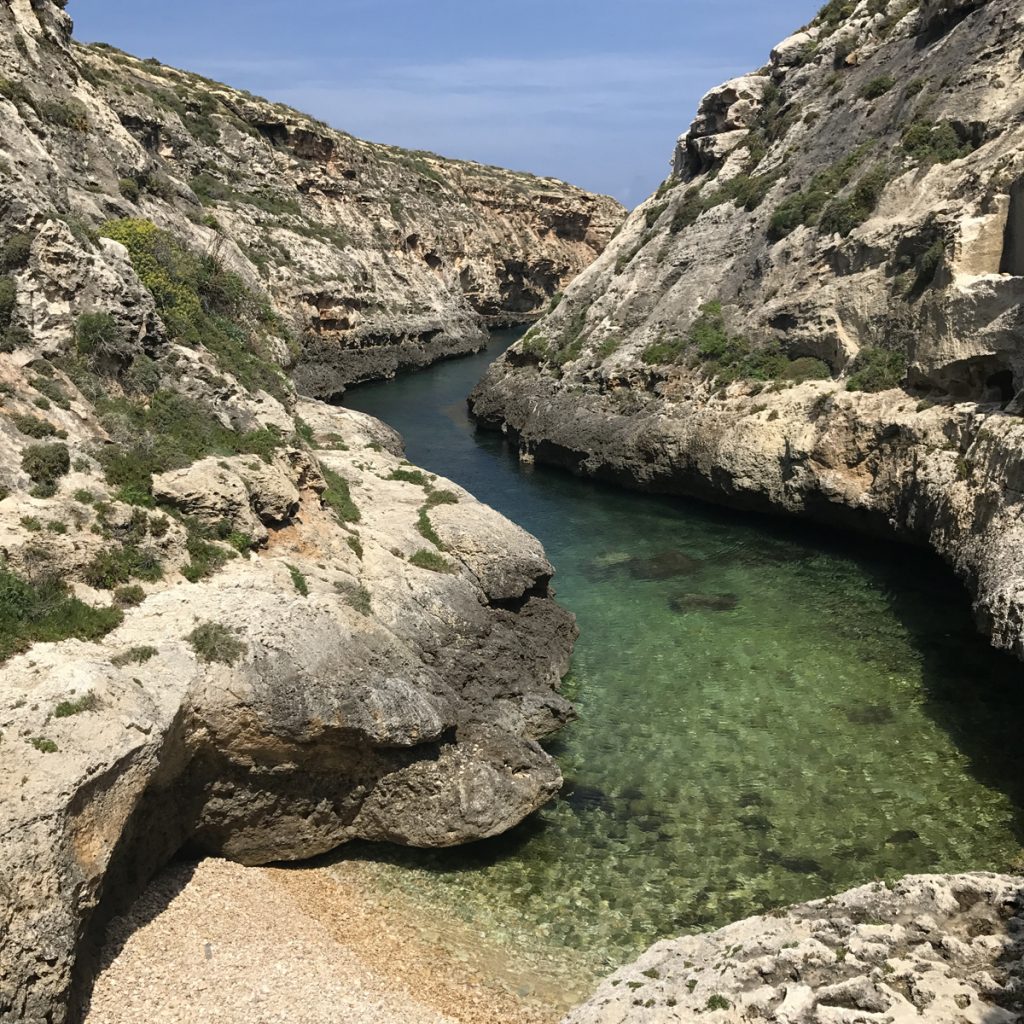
378, 259
232, 619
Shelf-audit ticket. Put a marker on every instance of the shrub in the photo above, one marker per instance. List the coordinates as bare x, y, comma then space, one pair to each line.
97, 334
45, 465
135, 656
410, 476
877, 369
424, 559
129, 597
215, 642
203, 304
930, 143
17, 92
114, 566
43, 745
338, 497
69, 708
436, 498
130, 189
15, 253
8, 301
878, 87
33, 426
65, 113
426, 529
717, 1002
44, 611
32, 523
842, 215
663, 353
355, 596
355, 544
299, 581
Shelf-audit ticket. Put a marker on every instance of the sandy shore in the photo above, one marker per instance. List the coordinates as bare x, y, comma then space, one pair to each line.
218, 943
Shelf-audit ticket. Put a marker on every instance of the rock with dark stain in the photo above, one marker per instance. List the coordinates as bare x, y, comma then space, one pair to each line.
870, 714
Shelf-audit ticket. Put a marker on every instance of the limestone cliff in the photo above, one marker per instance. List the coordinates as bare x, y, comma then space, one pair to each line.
376, 258
231, 618
821, 312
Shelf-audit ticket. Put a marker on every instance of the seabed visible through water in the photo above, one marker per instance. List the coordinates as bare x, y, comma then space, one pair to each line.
768, 713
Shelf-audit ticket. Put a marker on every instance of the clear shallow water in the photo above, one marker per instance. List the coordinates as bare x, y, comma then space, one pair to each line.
789, 714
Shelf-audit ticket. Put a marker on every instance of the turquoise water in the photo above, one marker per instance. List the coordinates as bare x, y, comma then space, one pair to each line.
767, 713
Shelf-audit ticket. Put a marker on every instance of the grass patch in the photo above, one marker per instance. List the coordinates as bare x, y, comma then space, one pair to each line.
426, 529
135, 656
44, 611
930, 142
43, 745
338, 497
355, 597
70, 708
877, 87
844, 214
410, 476
424, 559
129, 597
214, 642
299, 581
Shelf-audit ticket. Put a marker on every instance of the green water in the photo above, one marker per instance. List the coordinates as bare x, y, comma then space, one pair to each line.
828, 717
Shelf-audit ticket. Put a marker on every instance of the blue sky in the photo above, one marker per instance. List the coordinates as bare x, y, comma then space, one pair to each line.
592, 91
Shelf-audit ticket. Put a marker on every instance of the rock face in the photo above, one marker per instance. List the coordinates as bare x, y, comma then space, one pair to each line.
231, 619
376, 259
945, 949
821, 312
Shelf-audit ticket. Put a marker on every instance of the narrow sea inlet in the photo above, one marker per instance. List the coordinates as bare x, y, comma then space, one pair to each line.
768, 713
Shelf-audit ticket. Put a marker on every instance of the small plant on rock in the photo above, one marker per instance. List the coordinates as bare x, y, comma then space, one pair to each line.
214, 642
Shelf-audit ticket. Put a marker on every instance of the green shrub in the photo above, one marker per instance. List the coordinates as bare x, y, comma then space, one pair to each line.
215, 642
299, 581
135, 656
355, 596
17, 92
878, 87
664, 353
44, 611
130, 189
842, 215
426, 529
43, 745
33, 426
52, 390
64, 113
32, 523
203, 304
46, 464
355, 544
70, 708
169, 431
338, 497
805, 207
8, 301
15, 253
877, 369
930, 143
410, 476
717, 1002
424, 559
129, 597
436, 498
205, 556
97, 334
114, 566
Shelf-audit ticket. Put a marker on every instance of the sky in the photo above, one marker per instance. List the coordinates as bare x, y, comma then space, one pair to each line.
591, 91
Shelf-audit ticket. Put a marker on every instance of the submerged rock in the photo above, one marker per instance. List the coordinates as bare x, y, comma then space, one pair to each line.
665, 565
684, 603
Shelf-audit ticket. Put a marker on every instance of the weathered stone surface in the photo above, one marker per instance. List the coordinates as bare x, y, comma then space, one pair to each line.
378, 259
391, 703
942, 948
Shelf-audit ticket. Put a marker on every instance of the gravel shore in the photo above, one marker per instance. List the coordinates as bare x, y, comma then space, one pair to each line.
219, 943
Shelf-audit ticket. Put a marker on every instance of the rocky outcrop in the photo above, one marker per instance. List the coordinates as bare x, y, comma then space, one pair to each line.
375, 258
233, 620
820, 313
946, 949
